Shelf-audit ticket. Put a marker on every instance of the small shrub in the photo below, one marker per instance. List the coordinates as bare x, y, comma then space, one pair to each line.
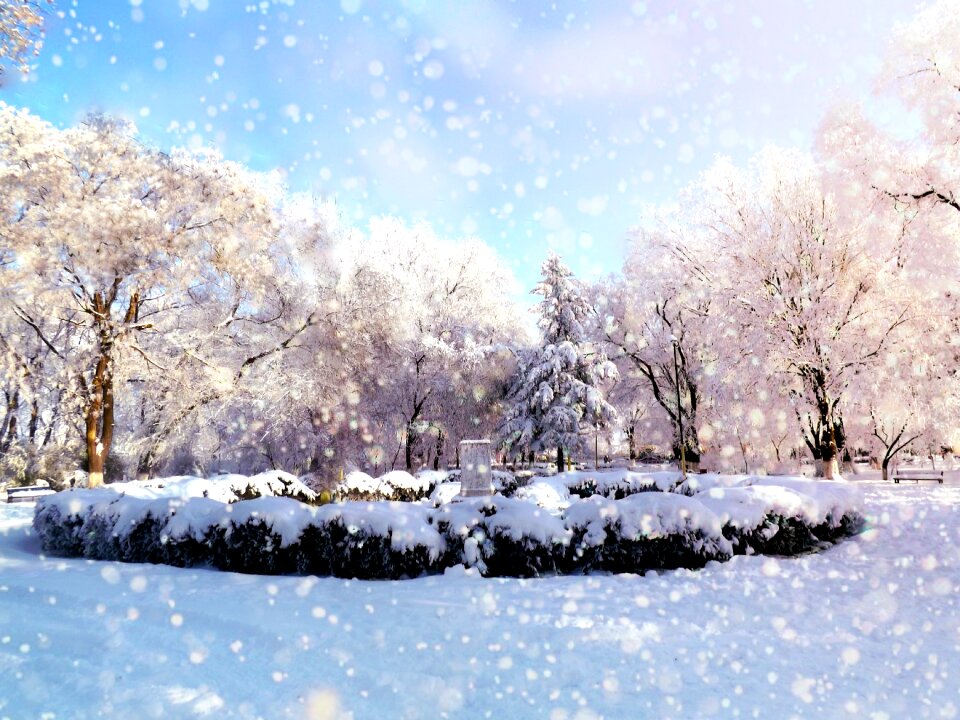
394, 486
506, 556
583, 489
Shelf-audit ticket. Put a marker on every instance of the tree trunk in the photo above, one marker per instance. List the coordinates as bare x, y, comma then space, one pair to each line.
825, 440
691, 449
34, 421
559, 459
48, 433
11, 434
632, 442
831, 468
441, 439
95, 462
884, 468
99, 420
408, 449
743, 454
145, 464
815, 451
8, 430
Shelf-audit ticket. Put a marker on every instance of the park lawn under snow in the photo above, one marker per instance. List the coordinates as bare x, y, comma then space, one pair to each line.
868, 628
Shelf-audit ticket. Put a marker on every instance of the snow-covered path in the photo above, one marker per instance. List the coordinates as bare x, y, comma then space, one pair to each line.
869, 628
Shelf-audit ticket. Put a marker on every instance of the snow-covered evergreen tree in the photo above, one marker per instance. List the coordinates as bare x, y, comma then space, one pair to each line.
557, 389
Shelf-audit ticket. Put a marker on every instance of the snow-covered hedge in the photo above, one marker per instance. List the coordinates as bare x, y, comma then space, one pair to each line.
499, 536
401, 486
225, 488
397, 486
617, 483
503, 536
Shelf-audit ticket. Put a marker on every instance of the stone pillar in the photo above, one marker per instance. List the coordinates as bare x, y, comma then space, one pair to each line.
476, 479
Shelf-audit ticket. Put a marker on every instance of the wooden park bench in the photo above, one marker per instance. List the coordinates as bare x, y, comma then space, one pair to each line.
918, 475
28, 493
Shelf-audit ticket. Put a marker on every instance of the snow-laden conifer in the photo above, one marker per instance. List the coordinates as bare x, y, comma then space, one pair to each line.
556, 393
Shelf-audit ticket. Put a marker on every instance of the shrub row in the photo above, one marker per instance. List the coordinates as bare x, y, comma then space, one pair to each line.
499, 536
394, 486
401, 486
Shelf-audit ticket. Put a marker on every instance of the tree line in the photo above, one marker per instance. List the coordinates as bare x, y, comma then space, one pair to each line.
165, 312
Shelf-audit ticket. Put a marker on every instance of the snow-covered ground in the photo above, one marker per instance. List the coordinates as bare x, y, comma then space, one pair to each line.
869, 628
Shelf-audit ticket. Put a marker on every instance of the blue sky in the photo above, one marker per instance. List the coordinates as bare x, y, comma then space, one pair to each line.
532, 125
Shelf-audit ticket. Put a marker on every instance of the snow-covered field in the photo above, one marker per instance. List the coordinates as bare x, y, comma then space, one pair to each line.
869, 628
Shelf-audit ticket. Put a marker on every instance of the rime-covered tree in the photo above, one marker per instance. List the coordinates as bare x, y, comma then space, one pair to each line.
911, 399
816, 293
659, 329
557, 391
21, 24
914, 182
917, 176
434, 314
120, 259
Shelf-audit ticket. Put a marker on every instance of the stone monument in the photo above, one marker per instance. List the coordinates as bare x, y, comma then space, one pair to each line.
476, 479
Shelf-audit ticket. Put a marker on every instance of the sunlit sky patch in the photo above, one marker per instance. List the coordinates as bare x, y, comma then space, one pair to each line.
529, 125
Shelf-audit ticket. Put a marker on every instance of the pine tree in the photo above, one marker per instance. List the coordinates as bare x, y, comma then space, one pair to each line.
556, 390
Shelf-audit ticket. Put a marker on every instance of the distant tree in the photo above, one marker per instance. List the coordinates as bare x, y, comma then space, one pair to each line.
277, 366
911, 399
658, 329
434, 318
924, 67
557, 391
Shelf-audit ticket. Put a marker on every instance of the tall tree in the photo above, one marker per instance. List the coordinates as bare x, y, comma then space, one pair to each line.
815, 294
657, 326
920, 173
557, 391
120, 241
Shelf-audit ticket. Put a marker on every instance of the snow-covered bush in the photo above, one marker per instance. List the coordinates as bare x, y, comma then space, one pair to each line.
401, 486
649, 530
170, 520
226, 488
499, 536
373, 540
103, 525
504, 536
783, 516
618, 483
396, 485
